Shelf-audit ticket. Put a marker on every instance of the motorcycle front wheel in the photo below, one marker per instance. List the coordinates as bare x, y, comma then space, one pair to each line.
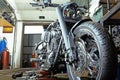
95, 55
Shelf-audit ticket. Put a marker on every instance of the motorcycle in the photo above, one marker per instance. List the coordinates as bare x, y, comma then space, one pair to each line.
78, 46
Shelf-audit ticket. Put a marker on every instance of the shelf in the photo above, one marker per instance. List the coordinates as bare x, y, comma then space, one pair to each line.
7, 27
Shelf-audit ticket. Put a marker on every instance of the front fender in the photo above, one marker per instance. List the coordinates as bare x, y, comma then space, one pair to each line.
71, 35
78, 23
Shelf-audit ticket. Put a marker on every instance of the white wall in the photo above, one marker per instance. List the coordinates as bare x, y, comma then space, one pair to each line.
1, 29
10, 41
14, 43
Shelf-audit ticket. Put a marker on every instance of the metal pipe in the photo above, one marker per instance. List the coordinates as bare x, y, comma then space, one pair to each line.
108, 5
88, 8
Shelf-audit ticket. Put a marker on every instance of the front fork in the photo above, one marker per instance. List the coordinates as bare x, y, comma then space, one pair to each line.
65, 34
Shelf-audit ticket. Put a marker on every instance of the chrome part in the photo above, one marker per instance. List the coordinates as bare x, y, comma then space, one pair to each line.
48, 50
87, 57
64, 30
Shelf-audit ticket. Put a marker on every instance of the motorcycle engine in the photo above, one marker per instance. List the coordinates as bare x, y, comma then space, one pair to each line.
48, 52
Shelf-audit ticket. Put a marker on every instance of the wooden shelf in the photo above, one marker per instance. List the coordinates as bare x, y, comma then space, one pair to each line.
7, 27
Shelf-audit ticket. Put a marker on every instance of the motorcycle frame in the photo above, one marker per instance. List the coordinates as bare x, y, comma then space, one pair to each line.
64, 30
67, 35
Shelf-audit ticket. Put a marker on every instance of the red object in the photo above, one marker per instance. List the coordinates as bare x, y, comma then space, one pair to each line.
5, 59
45, 75
34, 64
43, 78
43, 72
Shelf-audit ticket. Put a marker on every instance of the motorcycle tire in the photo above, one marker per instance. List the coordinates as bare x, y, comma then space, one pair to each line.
96, 57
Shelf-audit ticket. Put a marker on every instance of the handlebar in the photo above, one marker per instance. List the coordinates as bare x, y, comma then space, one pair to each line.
44, 3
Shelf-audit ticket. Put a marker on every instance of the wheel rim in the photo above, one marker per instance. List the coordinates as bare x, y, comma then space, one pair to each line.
87, 63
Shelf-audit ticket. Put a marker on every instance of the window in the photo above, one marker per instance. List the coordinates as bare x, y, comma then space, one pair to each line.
33, 30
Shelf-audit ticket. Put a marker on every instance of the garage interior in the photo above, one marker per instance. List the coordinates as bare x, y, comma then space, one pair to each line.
22, 23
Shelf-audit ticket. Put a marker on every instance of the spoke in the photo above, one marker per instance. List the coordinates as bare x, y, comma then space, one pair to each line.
88, 57
92, 58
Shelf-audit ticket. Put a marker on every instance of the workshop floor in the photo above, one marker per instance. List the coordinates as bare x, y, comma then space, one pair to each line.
7, 74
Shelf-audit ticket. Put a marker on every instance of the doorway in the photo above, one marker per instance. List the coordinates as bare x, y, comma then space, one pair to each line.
32, 35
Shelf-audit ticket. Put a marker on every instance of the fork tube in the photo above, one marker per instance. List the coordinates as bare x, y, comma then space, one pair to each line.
64, 29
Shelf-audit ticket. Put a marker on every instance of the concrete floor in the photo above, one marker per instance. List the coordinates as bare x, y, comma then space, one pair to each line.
7, 74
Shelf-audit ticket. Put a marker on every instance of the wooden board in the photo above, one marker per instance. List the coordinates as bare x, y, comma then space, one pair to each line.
111, 1
7, 27
4, 22
116, 16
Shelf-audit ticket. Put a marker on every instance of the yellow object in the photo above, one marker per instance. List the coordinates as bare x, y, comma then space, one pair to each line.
7, 27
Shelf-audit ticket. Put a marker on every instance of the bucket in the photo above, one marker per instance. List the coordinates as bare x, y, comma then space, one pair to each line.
34, 64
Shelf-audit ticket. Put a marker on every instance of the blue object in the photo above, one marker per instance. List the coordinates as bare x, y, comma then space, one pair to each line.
2, 46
